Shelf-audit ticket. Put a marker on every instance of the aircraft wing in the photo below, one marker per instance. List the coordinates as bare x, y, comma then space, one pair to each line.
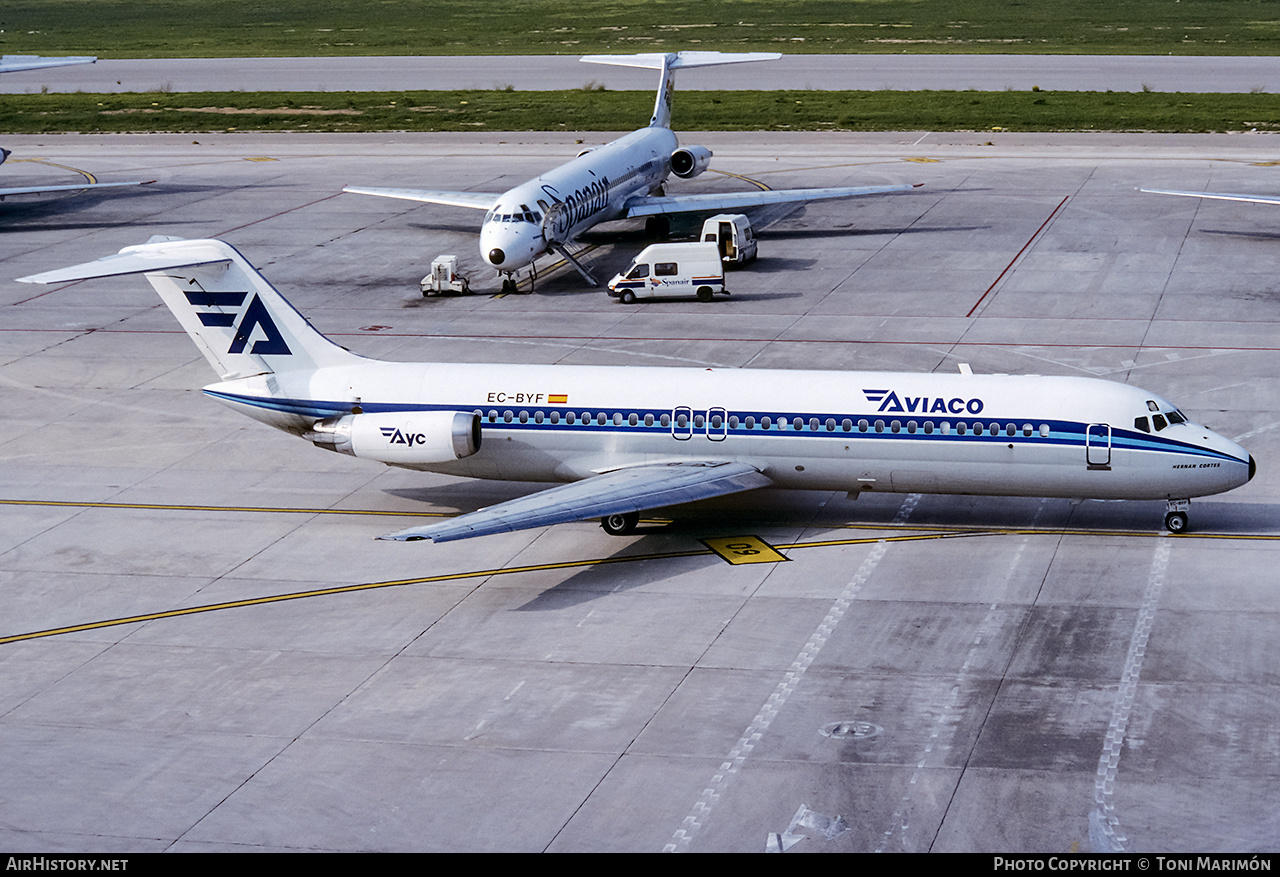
649, 205
1255, 199
477, 200
72, 187
634, 489
15, 63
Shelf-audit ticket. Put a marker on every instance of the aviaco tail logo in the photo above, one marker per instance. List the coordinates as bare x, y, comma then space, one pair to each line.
889, 401
255, 316
395, 437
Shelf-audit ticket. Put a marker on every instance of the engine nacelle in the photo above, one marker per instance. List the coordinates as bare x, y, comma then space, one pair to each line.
402, 438
689, 161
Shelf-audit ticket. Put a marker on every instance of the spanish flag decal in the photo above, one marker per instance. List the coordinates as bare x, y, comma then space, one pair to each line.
558, 399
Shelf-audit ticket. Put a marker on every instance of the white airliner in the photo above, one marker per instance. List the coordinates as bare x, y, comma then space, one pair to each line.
18, 63
629, 439
621, 180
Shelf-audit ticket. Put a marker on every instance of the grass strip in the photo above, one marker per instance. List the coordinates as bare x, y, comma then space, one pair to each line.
624, 110
251, 28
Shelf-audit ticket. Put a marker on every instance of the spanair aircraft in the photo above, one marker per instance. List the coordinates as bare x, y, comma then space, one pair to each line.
621, 180
629, 439
18, 63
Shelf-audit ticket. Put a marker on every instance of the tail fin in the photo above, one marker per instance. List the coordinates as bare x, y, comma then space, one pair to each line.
674, 61
241, 324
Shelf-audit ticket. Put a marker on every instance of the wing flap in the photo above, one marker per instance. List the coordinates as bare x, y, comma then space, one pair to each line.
650, 206
635, 489
475, 200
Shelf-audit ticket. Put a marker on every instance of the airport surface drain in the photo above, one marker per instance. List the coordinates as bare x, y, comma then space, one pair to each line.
851, 730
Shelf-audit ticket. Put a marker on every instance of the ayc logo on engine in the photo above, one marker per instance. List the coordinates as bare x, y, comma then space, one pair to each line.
395, 437
889, 401
255, 316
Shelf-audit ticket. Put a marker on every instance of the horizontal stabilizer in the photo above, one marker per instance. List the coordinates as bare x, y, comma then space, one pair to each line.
138, 260
711, 203
634, 489
1219, 196
476, 200
655, 60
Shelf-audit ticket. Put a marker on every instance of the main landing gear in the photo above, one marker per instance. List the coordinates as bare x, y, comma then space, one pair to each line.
1175, 519
620, 524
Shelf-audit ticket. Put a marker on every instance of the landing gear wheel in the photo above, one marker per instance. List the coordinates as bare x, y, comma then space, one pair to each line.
657, 227
704, 294
620, 524
627, 297
1175, 522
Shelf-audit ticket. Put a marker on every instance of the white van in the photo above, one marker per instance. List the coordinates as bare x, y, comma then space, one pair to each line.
663, 270
732, 233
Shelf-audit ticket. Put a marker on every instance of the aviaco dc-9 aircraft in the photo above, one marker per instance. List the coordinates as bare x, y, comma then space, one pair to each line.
621, 180
628, 439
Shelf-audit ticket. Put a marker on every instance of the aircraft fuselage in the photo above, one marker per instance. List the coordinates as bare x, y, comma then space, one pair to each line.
853, 431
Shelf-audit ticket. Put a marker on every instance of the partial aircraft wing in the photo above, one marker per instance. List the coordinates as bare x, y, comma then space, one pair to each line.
635, 489
73, 187
1255, 199
477, 200
15, 63
649, 205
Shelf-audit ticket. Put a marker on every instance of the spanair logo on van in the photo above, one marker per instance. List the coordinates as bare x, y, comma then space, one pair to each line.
890, 401
255, 316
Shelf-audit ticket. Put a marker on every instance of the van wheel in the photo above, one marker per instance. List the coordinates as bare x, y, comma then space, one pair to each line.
627, 297
704, 293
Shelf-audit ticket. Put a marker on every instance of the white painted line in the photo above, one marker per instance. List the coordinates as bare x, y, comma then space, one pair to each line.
1104, 825
737, 756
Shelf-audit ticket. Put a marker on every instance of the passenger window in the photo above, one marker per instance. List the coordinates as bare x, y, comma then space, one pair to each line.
1141, 423
537, 416
960, 428
846, 425
862, 426
665, 269
879, 426
1011, 429
524, 416
928, 427
665, 420
765, 423
1044, 430
633, 420
911, 427
1026, 429
648, 420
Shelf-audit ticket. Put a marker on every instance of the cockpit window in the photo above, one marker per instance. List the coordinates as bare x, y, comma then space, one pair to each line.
1152, 406
1141, 423
1159, 421
1175, 416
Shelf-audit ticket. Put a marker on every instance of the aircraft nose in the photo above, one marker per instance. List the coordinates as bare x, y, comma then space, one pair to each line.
1253, 467
496, 256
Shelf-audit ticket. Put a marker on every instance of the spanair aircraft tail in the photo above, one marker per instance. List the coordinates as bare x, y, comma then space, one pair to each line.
673, 61
237, 319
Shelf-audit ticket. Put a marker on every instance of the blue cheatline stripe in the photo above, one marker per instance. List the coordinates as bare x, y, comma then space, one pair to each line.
1061, 432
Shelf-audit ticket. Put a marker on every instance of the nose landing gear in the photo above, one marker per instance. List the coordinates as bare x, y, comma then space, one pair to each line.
1175, 519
